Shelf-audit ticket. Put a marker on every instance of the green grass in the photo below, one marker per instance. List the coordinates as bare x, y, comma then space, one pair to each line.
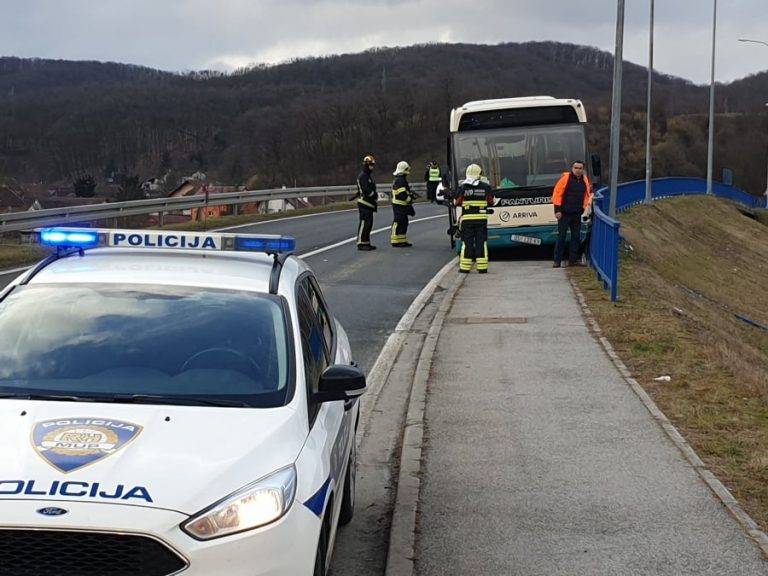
13, 255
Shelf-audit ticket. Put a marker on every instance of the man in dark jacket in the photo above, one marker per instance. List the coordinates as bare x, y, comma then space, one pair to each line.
367, 204
571, 197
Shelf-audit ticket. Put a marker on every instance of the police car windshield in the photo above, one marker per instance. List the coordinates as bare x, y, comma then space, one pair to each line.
165, 344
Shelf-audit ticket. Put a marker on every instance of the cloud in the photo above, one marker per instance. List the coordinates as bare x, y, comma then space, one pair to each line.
194, 34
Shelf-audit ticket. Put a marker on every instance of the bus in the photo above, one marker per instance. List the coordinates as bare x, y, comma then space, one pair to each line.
523, 145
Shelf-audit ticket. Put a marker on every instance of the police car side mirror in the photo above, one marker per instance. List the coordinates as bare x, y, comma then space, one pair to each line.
340, 382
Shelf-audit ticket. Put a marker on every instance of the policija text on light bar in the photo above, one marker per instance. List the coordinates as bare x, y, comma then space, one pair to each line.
91, 238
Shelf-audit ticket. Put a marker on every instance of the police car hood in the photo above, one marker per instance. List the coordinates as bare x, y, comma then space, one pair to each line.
172, 457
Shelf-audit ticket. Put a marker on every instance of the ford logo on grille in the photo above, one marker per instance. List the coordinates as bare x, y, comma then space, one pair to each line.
53, 511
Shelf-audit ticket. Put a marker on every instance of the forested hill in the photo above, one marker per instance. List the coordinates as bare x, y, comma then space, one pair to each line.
310, 121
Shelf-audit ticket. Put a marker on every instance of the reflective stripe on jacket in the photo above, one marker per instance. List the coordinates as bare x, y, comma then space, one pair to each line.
401, 192
366, 190
474, 201
434, 174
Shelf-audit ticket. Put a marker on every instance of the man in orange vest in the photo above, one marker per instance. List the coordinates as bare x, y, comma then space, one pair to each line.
572, 197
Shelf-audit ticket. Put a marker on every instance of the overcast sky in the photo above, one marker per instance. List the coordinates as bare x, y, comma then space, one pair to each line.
225, 34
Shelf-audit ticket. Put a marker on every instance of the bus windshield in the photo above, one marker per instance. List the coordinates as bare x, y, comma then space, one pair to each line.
531, 157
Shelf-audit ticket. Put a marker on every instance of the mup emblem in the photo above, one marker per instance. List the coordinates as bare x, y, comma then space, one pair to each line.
70, 444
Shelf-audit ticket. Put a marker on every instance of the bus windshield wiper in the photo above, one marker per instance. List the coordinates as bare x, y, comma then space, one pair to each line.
177, 400
522, 188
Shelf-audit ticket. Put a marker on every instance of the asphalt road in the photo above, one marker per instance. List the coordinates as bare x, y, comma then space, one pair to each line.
367, 291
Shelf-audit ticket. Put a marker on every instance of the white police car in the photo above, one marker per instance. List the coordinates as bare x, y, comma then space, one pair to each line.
172, 403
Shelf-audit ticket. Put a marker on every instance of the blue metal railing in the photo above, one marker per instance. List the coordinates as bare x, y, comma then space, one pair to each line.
604, 248
604, 245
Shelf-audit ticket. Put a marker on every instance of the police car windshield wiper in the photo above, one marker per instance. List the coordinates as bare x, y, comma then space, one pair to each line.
54, 397
177, 400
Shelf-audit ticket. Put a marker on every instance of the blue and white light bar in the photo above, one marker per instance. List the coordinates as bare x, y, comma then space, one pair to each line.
85, 238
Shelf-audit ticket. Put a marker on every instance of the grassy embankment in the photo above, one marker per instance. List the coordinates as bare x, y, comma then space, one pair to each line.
13, 254
694, 264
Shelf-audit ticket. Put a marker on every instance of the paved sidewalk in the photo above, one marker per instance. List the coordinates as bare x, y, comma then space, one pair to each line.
541, 461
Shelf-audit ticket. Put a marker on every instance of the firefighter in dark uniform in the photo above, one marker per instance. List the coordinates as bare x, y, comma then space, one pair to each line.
402, 206
432, 177
474, 196
367, 204
572, 197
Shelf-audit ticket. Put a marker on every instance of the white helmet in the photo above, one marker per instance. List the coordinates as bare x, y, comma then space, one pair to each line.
474, 172
402, 168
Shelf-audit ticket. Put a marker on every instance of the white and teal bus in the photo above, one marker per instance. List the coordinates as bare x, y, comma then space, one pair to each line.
523, 145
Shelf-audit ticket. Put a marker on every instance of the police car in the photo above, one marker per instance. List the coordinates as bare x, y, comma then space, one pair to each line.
172, 403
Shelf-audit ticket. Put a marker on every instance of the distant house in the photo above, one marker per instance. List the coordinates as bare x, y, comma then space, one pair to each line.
154, 187
187, 187
63, 202
61, 191
11, 201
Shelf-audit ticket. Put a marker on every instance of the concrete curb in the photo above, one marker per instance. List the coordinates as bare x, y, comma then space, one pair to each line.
749, 526
402, 539
378, 375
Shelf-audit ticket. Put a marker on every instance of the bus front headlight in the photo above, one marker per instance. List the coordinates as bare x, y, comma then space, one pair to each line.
255, 505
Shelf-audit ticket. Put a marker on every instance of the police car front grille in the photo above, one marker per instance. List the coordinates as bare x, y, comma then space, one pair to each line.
61, 553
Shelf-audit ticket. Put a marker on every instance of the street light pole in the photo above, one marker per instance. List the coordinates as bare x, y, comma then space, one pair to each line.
711, 149
648, 155
764, 44
754, 41
766, 184
618, 61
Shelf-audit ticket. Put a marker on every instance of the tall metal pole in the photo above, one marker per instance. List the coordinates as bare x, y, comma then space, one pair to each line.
618, 62
648, 155
711, 151
766, 185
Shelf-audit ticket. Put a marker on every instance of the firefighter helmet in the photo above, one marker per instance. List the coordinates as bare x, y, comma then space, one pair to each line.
403, 168
474, 172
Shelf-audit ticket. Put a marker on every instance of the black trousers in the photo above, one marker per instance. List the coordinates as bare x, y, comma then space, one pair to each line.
399, 224
365, 226
568, 222
432, 190
474, 247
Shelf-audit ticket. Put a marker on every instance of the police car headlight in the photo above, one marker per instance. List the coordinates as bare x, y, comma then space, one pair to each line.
255, 505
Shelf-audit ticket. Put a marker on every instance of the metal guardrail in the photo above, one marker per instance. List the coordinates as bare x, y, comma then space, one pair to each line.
633, 193
606, 237
14, 221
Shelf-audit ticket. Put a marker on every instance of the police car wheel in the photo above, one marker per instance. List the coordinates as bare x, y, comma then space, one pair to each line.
348, 498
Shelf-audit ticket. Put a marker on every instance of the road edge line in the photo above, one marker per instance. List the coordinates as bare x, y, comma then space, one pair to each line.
382, 367
750, 528
354, 238
15, 270
282, 219
401, 550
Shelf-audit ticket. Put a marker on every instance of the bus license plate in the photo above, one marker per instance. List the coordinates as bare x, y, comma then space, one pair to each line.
526, 239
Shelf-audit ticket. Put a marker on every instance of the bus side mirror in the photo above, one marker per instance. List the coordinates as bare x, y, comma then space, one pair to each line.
597, 166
